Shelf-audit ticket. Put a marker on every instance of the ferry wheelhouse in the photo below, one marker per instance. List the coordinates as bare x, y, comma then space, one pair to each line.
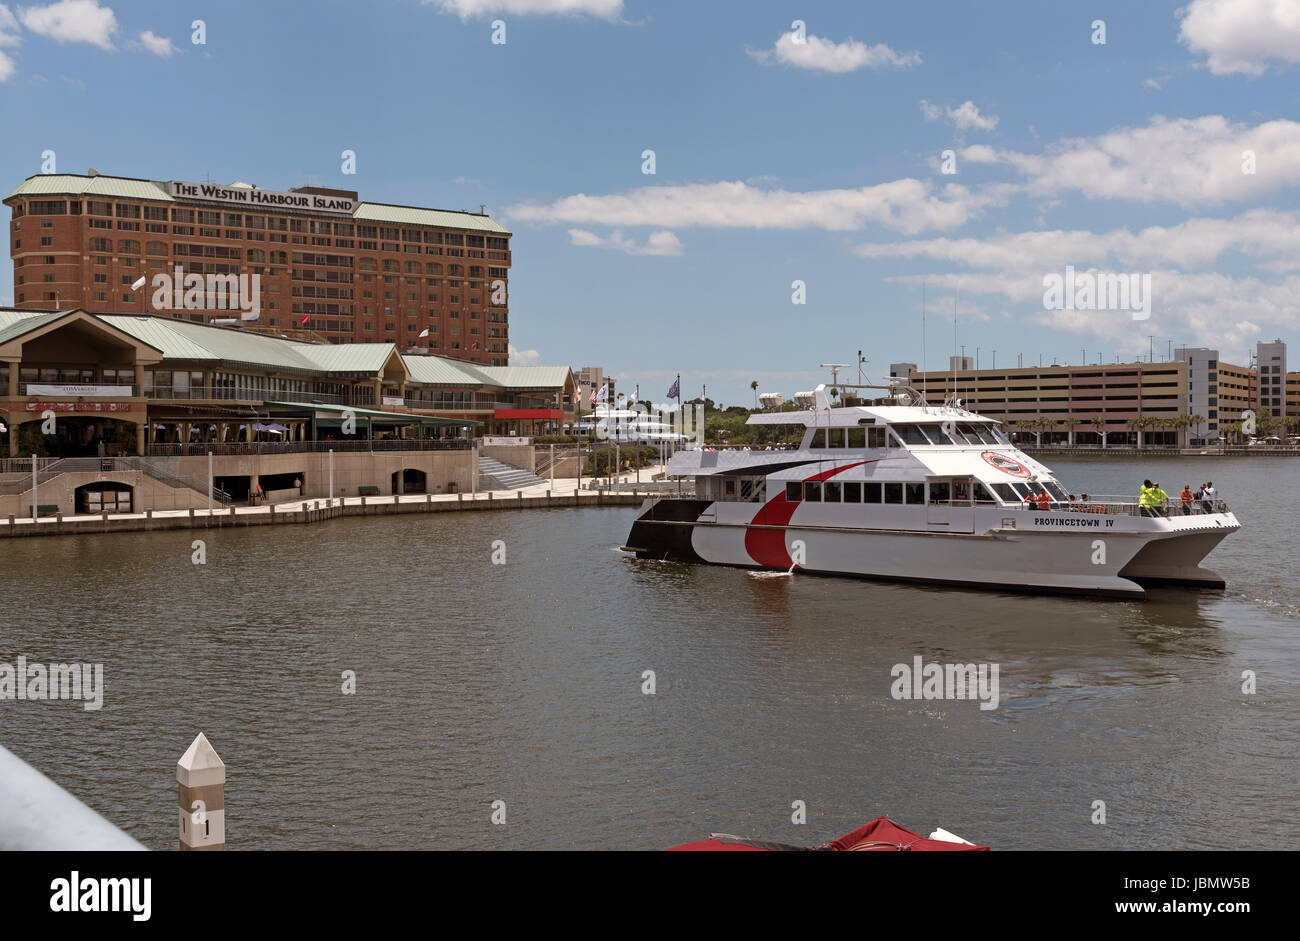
627, 426
910, 491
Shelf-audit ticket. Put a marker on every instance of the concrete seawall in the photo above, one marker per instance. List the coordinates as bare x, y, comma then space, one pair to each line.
310, 511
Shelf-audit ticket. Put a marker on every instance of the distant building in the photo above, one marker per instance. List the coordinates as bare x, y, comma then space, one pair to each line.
961, 362
1270, 359
591, 379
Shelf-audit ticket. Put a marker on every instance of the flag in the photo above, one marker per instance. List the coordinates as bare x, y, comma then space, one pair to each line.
424, 332
675, 389
305, 318
474, 345
604, 393
591, 399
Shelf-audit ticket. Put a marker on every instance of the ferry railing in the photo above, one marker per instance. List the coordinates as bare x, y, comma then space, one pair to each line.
1125, 505
37, 814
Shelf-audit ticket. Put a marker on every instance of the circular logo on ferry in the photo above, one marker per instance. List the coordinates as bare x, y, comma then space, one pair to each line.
1006, 464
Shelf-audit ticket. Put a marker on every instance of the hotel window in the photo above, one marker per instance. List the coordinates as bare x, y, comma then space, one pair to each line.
48, 207
96, 208
388, 232
127, 211
157, 213
207, 217
128, 226
47, 240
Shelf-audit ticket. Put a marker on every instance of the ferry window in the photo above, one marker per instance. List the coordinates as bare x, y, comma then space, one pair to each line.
835, 437
982, 494
793, 491
986, 434
812, 490
831, 491
870, 493
1056, 490
961, 491
857, 438
940, 492
729, 488
1007, 494
893, 493
853, 493
911, 434
939, 436
819, 438
876, 438
1019, 490
1000, 437
915, 493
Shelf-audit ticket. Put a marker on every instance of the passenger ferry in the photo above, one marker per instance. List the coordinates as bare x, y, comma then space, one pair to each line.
909, 491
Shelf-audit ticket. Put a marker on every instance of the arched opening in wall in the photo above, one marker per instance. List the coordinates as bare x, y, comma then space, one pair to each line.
104, 496
76, 436
413, 481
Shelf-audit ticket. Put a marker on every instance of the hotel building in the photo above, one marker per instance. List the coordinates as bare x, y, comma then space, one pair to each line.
332, 267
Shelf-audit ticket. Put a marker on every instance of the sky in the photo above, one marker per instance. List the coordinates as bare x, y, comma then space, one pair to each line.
792, 142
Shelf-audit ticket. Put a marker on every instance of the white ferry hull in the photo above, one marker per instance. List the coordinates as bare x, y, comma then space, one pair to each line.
1020, 550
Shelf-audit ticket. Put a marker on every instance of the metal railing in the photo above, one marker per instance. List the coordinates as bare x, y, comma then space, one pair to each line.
1125, 505
37, 814
56, 467
306, 447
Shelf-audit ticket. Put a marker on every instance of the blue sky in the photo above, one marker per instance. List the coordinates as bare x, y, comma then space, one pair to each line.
776, 160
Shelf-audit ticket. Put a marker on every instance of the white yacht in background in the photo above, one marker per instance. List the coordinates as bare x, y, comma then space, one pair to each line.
910, 491
627, 426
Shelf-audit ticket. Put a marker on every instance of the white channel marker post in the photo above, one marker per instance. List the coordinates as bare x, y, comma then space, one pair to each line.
201, 777
209, 483
331, 476
33, 489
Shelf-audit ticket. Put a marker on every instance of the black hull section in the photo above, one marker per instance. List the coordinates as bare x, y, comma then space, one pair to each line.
667, 543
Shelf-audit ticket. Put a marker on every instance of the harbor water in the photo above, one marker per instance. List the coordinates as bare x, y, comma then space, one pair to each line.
523, 680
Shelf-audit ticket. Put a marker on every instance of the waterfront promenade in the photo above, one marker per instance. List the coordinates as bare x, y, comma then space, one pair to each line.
562, 492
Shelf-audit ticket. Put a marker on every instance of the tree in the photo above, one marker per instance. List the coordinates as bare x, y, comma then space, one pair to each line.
754, 386
1099, 423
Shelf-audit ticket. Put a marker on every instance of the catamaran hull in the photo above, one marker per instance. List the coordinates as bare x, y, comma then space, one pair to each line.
1098, 563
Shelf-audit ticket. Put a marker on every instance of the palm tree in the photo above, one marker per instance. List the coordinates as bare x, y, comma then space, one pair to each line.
754, 385
1099, 423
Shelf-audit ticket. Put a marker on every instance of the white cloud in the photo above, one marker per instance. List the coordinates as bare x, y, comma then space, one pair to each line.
8, 38
965, 117
520, 357
657, 243
1258, 234
1242, 36
467, 9
72, 21
826, 55
1190, 303
1184, 160
160, 46
905, 205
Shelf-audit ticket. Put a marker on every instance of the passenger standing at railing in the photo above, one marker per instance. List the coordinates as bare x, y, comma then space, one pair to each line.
1187, 499
1208, 496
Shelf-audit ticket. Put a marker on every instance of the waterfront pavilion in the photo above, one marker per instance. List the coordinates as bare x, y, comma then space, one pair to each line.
123, 384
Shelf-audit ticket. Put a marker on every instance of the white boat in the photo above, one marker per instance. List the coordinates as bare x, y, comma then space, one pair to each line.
915, 492
627, 426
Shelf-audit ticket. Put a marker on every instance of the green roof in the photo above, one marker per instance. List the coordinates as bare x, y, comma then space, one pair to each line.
185, 340
411, 215
71, 184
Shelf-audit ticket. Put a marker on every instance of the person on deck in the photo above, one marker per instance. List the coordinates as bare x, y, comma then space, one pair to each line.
1160, 499
1044, 500
1208, 496
1187, 498
1146, 499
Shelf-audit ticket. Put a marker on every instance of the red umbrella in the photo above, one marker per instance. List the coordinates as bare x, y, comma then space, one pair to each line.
881, 834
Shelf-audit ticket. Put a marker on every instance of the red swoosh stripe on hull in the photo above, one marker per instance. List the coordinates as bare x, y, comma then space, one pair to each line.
767, 546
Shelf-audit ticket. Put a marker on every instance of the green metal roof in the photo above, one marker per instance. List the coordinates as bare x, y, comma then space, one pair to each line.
410, 215
70, 184
196, 342
366, 358
18, 326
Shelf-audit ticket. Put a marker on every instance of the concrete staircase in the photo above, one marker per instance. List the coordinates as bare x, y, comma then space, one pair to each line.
493, 475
